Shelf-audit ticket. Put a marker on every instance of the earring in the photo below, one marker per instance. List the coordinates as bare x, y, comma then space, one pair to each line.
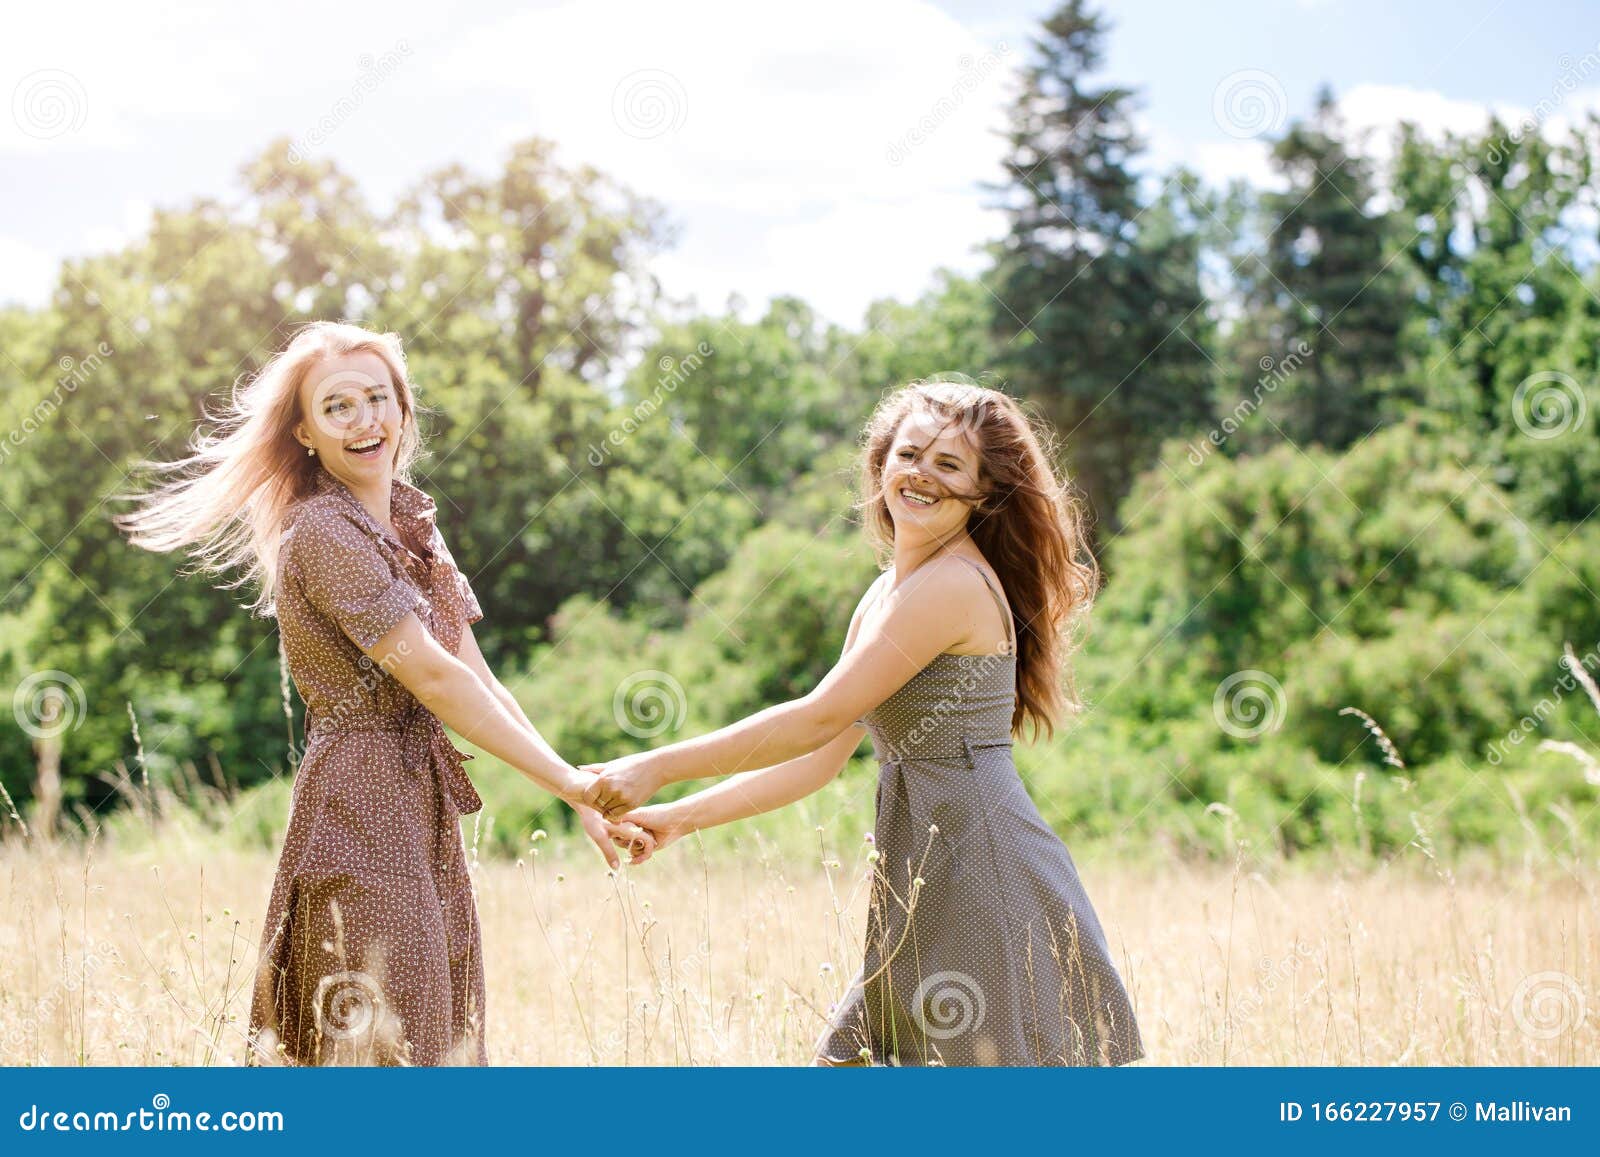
311, 451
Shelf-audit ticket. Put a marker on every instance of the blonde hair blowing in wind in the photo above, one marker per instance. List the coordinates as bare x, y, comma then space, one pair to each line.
227, 500
1027, 521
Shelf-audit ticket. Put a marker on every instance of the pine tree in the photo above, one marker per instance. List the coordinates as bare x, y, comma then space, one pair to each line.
1098, 304
1333, 282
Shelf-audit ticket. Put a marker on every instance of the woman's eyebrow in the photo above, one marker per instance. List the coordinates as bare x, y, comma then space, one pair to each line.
346, 391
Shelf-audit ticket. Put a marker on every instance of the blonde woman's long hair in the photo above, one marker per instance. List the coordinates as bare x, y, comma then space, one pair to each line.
1027, 521
228, 499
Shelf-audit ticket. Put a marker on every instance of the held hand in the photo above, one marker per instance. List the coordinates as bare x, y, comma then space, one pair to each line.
575, 788
623, 784
636, 841
658, 822
603, 834
639, 843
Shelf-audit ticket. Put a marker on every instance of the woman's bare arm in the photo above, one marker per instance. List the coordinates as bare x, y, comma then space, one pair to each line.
469, 653
601, 831
930, 611
751, 793
453, 691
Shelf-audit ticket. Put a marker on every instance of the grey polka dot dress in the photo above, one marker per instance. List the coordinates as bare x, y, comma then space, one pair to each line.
370, 951
981, 945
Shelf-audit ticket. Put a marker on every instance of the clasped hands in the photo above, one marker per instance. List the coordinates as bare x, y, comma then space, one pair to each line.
618, 794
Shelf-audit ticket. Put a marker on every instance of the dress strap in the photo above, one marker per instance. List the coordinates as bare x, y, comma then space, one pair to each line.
1005, 613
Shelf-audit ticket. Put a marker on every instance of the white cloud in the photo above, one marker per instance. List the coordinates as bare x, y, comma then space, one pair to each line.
831, 151
814, 133
1376, 110
98, 79
27, 272
850, 160
1373, 114
1218, 158
1219, 162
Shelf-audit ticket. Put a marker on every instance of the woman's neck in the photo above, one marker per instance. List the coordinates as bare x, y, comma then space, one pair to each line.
910, 553
375, 497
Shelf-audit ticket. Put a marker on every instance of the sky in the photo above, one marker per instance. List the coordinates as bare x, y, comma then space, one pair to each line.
833, 150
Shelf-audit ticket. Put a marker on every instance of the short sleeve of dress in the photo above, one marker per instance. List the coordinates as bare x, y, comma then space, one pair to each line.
470, 609
345, 576
468, 599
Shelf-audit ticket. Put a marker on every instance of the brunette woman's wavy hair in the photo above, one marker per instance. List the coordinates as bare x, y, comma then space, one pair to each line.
227, 500
1027, 521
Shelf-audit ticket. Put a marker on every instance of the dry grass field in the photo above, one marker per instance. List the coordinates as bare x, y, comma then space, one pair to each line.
114, 957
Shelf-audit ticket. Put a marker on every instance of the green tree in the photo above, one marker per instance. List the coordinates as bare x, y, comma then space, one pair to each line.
1099, 303
1331, 281
1506, 338
948, 329
1344, 577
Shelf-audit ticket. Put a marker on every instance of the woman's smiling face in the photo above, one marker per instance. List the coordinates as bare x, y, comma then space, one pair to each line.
352, 416
931, 475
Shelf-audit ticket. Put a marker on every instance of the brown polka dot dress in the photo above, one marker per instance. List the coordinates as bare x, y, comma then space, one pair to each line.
370, 953
982, 947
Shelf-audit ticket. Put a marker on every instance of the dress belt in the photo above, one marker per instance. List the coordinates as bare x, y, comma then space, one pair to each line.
897, 753
423, 742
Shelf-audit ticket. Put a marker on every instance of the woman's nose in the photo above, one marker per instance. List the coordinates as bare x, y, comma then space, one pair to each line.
374, 413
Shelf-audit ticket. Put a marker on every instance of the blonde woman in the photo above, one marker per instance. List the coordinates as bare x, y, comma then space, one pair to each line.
982, 945
370, 952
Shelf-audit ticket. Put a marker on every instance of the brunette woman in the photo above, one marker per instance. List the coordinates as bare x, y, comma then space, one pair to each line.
982, 946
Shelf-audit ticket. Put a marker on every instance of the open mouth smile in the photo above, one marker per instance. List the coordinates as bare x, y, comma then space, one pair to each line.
917, 498
366, 447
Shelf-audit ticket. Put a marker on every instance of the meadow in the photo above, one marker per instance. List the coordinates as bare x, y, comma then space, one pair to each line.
731, 955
